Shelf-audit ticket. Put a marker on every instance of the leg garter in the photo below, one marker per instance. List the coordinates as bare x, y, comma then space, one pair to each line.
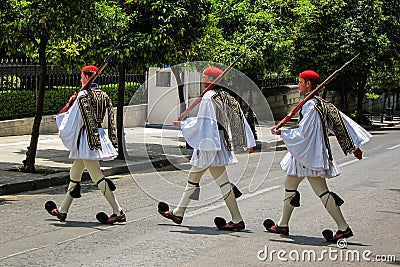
110, 183
75, 191
338, 200
196, 193
295, 198
235, 190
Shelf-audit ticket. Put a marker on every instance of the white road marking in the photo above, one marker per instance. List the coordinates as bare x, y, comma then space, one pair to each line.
28, 142
393, 147
350, 162
222, 204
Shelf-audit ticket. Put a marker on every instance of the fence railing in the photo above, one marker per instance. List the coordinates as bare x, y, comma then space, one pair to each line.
273, 82
22, 74
19, 82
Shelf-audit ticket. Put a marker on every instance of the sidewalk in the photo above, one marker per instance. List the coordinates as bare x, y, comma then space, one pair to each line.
147, 148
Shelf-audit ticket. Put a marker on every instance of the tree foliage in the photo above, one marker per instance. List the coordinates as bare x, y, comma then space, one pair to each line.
31, 27
162, 32
338, 30
270, 25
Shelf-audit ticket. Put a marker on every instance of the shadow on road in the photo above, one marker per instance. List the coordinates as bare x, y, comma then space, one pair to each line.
203, 230
93, 224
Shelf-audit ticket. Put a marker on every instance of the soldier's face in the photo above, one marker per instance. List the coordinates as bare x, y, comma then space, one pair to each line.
84, 78
304, 86
207, 80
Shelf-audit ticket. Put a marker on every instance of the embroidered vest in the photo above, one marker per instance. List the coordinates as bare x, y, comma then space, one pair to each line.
93, 107
332, 120
230, 118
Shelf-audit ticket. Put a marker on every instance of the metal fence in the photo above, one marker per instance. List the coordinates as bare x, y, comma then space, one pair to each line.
20, 77
273, 82
23, 74
19, 84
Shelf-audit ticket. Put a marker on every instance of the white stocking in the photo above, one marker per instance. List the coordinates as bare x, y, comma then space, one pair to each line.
195, 175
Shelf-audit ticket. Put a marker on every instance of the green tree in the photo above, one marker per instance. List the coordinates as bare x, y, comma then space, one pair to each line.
159, 33
271, 25
32, 27
385, 76
335, 32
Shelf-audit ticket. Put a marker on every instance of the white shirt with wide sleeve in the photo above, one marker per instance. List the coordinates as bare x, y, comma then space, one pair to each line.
308, 155
202, 134
69, 125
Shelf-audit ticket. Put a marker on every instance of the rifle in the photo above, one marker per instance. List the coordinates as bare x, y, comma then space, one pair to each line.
312, 94
212, 84
88, 83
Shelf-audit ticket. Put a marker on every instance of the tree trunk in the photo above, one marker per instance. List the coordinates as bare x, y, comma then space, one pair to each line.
176, 71
342, 97
120, 111
361, 91
29, 162
392, 111
383, 107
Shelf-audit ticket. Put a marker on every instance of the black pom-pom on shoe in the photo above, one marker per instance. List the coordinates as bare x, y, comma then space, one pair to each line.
102, 217
268, 223
49, 206
163, 207
219, 222
327, 234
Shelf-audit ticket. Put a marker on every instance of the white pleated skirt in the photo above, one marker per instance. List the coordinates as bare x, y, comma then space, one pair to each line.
293, 167
106, 153
203, 159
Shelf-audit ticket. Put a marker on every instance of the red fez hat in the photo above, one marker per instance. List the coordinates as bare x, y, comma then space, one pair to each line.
309, 74
212, 72
90, 68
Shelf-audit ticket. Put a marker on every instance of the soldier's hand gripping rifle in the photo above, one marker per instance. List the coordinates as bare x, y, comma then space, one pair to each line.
311, 95
88, 83
211, 85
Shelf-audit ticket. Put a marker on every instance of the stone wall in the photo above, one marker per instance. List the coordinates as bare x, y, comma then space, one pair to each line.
134, 116
282, 100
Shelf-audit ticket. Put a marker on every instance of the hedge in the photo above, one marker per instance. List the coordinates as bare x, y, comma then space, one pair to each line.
22, 103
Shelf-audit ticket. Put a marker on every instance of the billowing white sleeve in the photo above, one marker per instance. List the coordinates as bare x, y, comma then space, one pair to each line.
359, 135
201, 132
251, 142
306, 142
69, 124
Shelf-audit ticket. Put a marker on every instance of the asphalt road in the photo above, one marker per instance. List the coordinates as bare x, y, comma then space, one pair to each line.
370, 188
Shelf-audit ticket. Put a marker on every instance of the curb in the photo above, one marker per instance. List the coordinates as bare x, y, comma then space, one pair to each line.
62, 178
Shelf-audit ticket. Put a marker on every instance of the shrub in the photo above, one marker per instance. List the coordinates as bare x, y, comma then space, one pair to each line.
22, 103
